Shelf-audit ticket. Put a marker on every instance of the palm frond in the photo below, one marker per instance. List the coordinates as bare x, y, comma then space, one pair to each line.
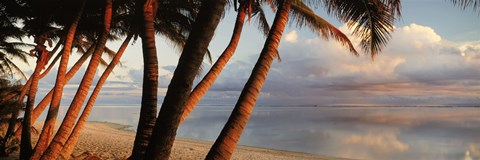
464, 4
261, 20
110, 53
103, 63
395, 7
302, 15
371, 21
6, 68
16, 68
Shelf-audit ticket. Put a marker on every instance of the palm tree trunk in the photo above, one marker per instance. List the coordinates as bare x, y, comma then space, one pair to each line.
11, 126
148, 109
26, 142
217, 68
29, 81
60, 81
180, 87
48, 98
72, 140
227, 141
72, 113
13, 120
44, 73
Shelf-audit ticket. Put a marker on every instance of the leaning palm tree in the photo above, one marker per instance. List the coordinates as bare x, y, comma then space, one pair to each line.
73, 138
247, 8
375, 21
180, 86
146, 11
173, 21
52, 152
9, 105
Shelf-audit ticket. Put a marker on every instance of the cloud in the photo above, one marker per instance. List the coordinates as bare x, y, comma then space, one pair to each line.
417, 67
381, 142
291, 36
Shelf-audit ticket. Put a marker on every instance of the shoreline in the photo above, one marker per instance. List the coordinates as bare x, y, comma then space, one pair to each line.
108, 140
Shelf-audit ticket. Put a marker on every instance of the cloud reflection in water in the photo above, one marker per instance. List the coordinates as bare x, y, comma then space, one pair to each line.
349, 132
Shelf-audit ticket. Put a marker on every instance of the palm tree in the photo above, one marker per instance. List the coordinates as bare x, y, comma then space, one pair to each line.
41, 53
86, 48
26, 143
147, 9
182, 80
10, 49
374, 16
41, 106
65, 129
174, 21
9, 105
53, 111
72, 140
83, 40
247, 8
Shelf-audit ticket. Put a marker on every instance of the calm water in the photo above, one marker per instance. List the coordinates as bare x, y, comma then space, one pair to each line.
349, 132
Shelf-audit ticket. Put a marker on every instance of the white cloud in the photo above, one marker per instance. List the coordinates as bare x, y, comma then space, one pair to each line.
291, 36
417, 67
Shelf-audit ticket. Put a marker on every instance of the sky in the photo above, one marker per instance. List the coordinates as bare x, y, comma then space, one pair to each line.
432, 59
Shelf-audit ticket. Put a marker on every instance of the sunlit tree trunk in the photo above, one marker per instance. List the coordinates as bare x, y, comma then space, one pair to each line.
207, 81
226, 142
181, 84
26, 142
65, 129
47, 99
44, 73
148, 110
72, 140
13, 120
58, 89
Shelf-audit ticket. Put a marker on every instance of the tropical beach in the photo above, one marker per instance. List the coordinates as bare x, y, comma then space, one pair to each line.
111, 141
239, 79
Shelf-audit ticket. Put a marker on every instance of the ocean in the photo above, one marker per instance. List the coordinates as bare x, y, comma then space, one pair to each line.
441, 133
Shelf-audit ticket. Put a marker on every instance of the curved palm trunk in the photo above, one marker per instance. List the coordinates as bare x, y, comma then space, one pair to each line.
65, 129
227, 141
12, 122
26, 142
11, 126
72, 140
73, 70
217, 68
180, 87
148, 109
48, 98
58, 89
29, 81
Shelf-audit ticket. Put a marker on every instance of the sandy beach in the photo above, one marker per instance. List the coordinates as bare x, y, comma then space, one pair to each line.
111, 141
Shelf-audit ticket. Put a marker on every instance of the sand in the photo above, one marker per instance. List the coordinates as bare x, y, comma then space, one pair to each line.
112, 141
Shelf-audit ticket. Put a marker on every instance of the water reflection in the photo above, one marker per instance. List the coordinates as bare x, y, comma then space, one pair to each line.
358, 132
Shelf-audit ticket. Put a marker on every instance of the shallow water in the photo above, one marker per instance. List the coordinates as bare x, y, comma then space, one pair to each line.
350, 132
